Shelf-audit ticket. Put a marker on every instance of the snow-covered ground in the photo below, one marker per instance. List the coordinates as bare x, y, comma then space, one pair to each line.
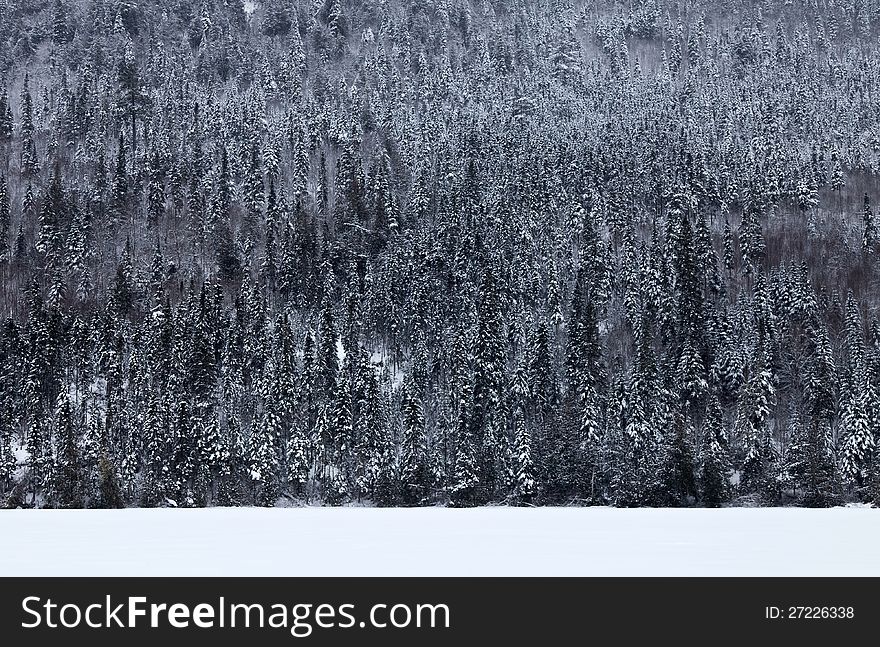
438, 541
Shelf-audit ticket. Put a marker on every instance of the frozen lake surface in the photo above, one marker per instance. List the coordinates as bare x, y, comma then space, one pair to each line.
440, 542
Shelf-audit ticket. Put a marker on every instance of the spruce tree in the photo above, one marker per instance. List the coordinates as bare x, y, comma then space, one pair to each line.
263, 455
857, 438
6, 123
109, 492
755, 408
414, 468
68, 476
713, 471
326, 353
28, 160
869, 229
487, 420
5, 219
524, 487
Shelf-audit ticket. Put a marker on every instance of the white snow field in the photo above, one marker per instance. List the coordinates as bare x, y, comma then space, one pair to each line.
440, 542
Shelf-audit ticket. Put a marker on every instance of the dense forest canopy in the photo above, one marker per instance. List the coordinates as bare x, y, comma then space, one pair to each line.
408, 252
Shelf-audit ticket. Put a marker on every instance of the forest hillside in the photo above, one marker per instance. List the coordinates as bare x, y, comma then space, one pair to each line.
417, 252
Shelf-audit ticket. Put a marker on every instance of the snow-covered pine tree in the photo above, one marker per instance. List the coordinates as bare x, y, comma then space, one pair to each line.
524, 485
857, 442
28, 159
869, 229
756, 404
263, 458
487, 419
67, 474
5, 219
414, 473
714, 462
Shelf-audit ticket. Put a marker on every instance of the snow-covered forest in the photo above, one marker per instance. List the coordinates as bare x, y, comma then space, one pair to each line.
419, 252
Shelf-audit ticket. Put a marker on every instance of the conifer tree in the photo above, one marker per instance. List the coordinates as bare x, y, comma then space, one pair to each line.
464, 480
6, 123
68, 476
713, 475
584, 369
119, 200
414, 468
326, 353
5, 219
869, 229
755, 409
7, 462
109, 493
263, 455
524, 474
751, 237
857, 438
28, 160
487, 420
